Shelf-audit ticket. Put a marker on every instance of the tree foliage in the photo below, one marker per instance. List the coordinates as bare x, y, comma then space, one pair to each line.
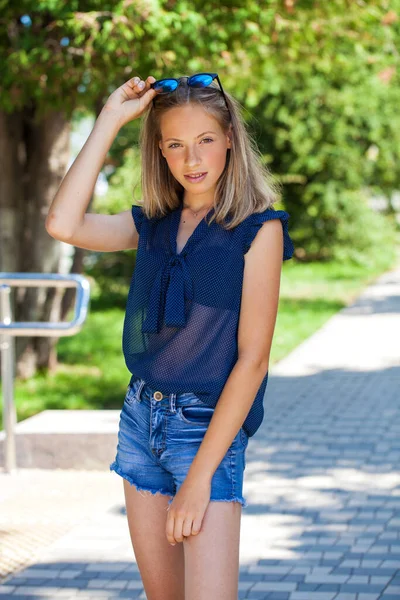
318, 81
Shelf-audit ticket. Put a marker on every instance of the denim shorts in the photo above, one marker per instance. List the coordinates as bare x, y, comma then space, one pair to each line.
158, 440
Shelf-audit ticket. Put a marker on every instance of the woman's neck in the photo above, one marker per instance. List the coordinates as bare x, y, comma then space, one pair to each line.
199, 202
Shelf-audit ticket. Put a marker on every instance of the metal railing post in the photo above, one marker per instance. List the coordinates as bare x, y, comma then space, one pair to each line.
7, 377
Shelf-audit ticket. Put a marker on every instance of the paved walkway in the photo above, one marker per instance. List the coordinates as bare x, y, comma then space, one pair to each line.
322, 481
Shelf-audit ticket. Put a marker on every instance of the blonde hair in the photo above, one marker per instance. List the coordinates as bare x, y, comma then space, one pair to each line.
245, 185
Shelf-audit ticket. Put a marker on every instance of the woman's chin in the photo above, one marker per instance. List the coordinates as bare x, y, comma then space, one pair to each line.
198, 188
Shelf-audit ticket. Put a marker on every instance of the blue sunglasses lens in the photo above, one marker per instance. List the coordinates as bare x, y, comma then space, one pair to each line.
167, 85
200, 80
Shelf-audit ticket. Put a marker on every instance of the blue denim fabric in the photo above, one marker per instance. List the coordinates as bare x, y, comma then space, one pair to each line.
158, 440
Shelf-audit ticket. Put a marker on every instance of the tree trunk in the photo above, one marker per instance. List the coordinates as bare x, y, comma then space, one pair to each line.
35, 155
79, 254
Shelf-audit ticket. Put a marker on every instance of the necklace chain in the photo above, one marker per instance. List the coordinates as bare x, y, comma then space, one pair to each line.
196, 213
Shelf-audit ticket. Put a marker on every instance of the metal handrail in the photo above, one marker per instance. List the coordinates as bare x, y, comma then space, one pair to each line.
10, 329
43, 328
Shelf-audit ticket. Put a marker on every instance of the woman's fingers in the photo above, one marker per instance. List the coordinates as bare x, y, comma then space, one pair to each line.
179, 528
146, 87
139, 86
148, 82
174, 530
169, 530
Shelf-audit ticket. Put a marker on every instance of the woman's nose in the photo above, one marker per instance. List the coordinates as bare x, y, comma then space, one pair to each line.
192, 157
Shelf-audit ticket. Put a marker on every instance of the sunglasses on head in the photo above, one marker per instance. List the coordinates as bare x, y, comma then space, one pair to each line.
199, 80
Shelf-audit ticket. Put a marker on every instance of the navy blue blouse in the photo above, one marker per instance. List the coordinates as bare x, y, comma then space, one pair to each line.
182, 311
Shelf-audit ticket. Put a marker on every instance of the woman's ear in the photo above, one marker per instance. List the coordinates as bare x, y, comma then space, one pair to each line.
160, 146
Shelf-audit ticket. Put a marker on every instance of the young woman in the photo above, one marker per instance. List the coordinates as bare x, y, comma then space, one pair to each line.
199, 321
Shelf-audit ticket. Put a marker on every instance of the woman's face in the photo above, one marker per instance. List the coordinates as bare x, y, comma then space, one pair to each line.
193, 142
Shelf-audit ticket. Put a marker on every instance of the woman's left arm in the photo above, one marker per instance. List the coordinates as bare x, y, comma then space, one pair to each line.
258, 311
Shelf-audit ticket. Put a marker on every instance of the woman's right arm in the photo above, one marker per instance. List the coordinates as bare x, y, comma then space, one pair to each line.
67, 219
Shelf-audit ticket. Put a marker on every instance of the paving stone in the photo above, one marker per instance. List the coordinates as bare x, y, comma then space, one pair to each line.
326, 578
393, 589
307, 587
7, 589
274, 586
391, 564
312, 595
276, 570
347, 572
358, 579
378, 580
250, 577
294, 577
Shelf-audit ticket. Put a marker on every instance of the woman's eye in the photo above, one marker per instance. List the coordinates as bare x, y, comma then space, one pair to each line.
203, 140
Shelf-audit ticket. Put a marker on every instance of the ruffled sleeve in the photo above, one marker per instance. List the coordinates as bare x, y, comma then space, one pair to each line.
254, 222
138, 217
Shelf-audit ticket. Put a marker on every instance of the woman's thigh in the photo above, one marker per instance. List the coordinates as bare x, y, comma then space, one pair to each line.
212, 556
161, 565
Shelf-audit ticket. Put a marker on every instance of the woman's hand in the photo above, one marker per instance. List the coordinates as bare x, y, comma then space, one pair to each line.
129, 101
186, 511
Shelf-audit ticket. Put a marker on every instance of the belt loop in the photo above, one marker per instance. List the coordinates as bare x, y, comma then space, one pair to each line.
172, 404
139, 390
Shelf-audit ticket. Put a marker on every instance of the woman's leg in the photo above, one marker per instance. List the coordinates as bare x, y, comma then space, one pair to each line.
161, 565
212, 556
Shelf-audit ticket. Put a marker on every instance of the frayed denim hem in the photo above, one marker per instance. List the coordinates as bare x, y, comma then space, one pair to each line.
242, 501
115, 467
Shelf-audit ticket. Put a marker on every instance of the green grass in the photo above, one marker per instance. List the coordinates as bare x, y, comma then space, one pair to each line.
92, 372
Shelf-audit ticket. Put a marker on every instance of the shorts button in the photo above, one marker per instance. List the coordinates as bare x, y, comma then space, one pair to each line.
158, 396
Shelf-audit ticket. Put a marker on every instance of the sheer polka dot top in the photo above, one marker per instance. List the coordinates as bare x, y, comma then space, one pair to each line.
182, 311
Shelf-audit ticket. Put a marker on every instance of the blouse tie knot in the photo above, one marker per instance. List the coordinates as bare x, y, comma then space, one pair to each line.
171, 287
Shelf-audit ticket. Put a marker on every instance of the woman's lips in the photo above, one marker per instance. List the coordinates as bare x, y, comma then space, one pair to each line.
195, 179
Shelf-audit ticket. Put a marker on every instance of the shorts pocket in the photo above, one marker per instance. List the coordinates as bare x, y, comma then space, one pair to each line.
196, 413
